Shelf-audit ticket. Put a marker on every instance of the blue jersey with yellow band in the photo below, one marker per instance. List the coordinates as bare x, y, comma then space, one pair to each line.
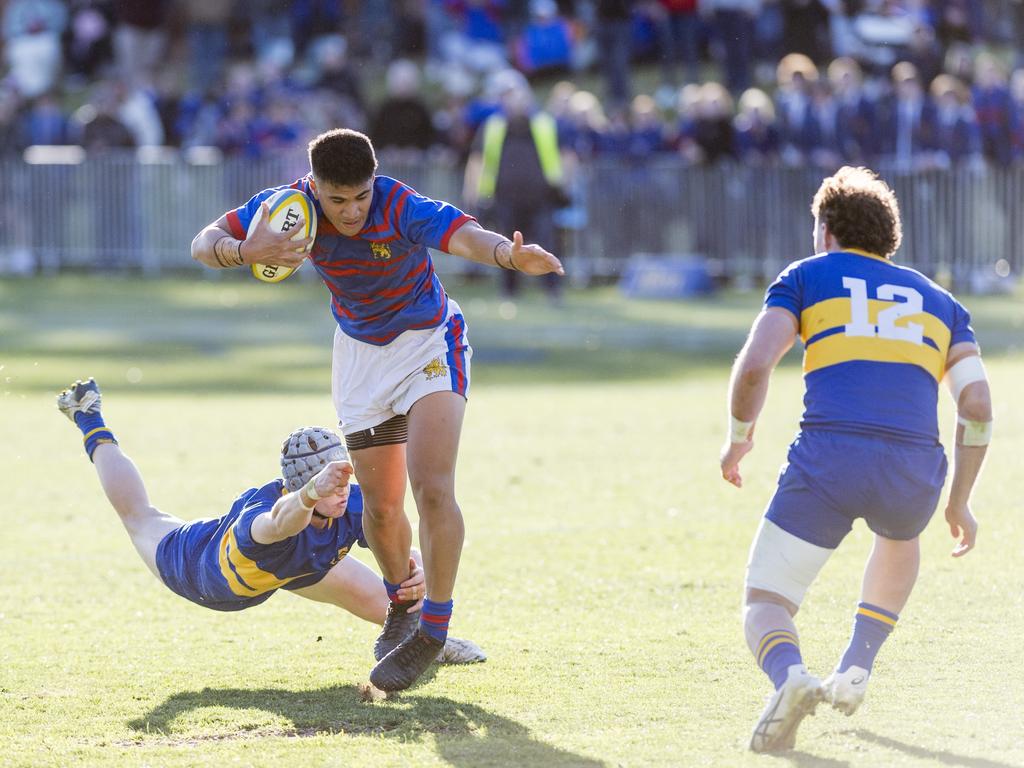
876, 336
216, 563
382, 280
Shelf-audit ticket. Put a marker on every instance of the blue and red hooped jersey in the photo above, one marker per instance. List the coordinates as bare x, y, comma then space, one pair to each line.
217, 564
876, 337
382, 280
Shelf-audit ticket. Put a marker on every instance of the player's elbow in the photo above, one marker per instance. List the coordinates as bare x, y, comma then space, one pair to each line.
754, 369
975, 402
196, 247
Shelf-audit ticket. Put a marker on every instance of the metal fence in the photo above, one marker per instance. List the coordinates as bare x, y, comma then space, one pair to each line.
140, 212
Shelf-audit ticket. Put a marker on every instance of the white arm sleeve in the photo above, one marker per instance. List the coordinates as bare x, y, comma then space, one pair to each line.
966, 371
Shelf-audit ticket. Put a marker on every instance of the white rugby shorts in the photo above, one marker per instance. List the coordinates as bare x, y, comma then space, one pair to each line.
371, 384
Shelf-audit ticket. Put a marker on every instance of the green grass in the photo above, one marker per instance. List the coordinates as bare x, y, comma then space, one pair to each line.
603, 563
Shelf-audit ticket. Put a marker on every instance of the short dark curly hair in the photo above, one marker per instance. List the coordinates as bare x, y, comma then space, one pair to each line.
860, 211
342, 157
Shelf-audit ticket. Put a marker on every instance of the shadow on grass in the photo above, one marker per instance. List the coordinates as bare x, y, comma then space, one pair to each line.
943, 757
464, 734
807, 760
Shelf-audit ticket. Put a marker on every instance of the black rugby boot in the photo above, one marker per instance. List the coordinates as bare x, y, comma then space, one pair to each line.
399, 624
400, 668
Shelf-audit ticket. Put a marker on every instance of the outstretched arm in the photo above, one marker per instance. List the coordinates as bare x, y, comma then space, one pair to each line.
473, 242
352, 586
771, 336
965, 376
293, 511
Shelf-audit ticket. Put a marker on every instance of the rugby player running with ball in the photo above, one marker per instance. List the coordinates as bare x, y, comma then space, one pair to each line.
401, 361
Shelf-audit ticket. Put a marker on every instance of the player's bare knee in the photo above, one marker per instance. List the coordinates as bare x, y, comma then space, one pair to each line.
383, 513
433, 495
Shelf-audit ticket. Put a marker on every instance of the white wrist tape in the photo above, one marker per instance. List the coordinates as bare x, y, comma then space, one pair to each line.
975, 432
310, 488
739, 431
966, 371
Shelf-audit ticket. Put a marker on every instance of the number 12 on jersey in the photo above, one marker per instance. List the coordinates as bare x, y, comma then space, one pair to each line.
860, 324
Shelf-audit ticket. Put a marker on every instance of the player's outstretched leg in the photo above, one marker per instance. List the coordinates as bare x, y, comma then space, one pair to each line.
120, 479
889, 578
772, 638
81, 403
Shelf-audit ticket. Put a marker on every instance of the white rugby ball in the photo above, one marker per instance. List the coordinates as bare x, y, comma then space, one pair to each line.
286, 208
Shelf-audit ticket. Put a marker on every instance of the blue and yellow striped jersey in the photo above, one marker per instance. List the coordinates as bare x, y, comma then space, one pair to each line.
216, 563
876, 336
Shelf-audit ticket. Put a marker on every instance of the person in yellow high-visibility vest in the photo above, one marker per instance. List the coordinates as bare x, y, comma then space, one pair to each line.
516, 172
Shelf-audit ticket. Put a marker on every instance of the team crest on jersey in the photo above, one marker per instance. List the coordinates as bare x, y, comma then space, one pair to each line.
340, 556
381, 251
435, 369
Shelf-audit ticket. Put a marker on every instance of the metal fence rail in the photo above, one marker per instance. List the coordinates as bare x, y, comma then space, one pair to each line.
141, 212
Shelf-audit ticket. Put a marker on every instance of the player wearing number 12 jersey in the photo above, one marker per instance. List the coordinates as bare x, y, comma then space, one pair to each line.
878, 338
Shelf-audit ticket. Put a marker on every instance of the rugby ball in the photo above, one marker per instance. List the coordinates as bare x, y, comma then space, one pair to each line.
286, 208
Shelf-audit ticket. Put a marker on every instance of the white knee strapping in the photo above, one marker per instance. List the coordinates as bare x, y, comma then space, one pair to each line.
783, 563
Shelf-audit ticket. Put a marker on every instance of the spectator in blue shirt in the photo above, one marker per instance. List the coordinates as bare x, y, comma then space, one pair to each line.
957, 137
45, 122
907, 120
546, 41
856, 111
991, 99
684, 133
756, 135
796, 76
1017, 115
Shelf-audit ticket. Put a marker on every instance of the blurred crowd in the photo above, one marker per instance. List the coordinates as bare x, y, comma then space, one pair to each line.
919, 83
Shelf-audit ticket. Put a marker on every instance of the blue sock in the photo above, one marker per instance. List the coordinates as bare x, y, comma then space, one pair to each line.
94, 431
434, 618
392, 591
776, 653
871, 625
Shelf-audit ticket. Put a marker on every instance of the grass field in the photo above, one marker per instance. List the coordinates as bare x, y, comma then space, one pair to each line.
602, 570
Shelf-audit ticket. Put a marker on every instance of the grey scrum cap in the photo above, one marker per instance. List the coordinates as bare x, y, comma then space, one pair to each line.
306, 451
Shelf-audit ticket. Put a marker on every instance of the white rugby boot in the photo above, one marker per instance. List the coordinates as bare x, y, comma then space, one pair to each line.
457, 651
788, 706
845, 690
